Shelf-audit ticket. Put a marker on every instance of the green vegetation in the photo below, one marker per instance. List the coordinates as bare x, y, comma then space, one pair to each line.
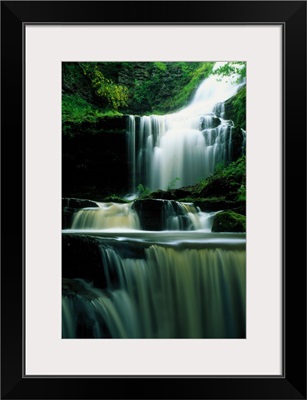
114, 198
223, 190
235, 109
172, 183
183, 93
143, 192
229, 221
160, 65
236, 71
95, 96
77, 110
112, 95
91, 91
87, 96
227, 182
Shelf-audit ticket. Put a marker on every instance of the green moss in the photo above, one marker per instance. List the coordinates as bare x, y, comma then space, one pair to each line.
235, 109
77, 110
229, 182
229, 221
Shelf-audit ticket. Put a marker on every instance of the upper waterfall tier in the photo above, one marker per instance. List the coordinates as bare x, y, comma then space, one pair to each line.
183, 147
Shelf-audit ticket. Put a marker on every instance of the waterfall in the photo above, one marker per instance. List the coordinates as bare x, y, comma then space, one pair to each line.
107, 215
243, 141
166, 291
189, 217
165, 214
131, 151
152, 268
187, 144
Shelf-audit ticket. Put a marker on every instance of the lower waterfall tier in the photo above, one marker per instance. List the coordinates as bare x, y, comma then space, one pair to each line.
154, 287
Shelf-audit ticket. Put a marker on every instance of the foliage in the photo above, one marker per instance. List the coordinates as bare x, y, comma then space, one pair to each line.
236, 170
114, 198
113, 95
185, 87
242, 193
227, 183
157, 87
235, 109
219, 166
226, 188
75, 82
161, 65
143, 192
76, 110
236, 71
172, 183
133, 87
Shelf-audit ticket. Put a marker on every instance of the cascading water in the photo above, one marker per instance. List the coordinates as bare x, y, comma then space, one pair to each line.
131, 152
186, 145
171, 215
153, 268
243, 148
180, 282
179, 290
107, 215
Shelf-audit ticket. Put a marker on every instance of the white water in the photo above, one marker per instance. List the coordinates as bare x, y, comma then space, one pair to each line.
174, 216
243, 148
106, 216
181, 281
187, 144
166, 291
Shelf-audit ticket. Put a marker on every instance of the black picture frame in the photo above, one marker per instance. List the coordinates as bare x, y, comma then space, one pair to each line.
292, 16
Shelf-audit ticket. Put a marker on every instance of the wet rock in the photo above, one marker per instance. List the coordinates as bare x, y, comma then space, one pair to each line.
209, 122
81, 258
153, 214
93, 258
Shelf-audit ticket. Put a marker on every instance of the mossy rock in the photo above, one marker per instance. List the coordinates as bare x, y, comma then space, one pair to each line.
222, 187
229, 221
235, 108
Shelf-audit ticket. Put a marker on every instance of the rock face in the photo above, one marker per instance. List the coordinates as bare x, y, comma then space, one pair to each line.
94, 159
153, 214
235, 109
229, 221
77, 203
209, 205
81, 258
173, 194
214, 122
